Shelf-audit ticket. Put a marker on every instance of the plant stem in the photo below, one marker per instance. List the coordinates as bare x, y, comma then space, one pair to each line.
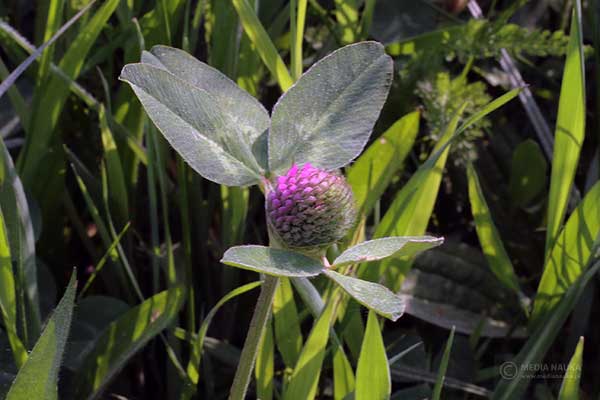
258, 323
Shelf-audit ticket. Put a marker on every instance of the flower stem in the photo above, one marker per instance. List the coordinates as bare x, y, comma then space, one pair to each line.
262, 312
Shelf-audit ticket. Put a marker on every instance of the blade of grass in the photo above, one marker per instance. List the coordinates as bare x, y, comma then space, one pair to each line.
488, 235
297, 20
569, 389
570, 130
264, 46
133, 329
439, 382
305, 378
53, 19
287, 324
373, 371
12, 78
542, 338
569, 256
38, 377
344, 382
265, 366
8, 297
193, 367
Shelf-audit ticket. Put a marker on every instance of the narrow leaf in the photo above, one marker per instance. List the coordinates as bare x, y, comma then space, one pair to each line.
569, 389
439, 382
371, 295
123, 338
261, 40
570, 130
287, 323
489, 238
373, 171
271, 261
569, 255
38, 377
265, 365
305, 378
373, 370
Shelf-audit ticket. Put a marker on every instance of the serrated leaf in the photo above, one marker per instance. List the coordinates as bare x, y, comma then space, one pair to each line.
373, 371
378, 249
206, 136
38, 377
123, 338
247, 112
326, 118
371, 295
271, 261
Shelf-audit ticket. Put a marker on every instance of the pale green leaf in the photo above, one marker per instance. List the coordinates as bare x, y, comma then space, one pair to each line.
371, 295
343, 376
265, 365
373, 371
287, 323
378, 249
251, 118
326, 118
205, 135
271, 261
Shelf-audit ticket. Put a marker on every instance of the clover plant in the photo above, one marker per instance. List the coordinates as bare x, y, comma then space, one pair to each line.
295, 155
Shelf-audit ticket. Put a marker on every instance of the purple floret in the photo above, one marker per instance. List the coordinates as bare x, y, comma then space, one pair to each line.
310, 207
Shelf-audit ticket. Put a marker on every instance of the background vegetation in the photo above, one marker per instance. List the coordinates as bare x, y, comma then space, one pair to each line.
90, 192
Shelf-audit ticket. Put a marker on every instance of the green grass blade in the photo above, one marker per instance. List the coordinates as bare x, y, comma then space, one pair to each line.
193, 367
55, 95
439, 382
38, 377
21, 239
570, 130
346, 13
373, 171
410, 211
287, 323
12, 78
488, 235
125, 337
541, 339
265, 47
373, 371
8, 297
305, 378
297, 20
53, 19
569, 389
569, 256
344, 382
265, 365
116, 178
